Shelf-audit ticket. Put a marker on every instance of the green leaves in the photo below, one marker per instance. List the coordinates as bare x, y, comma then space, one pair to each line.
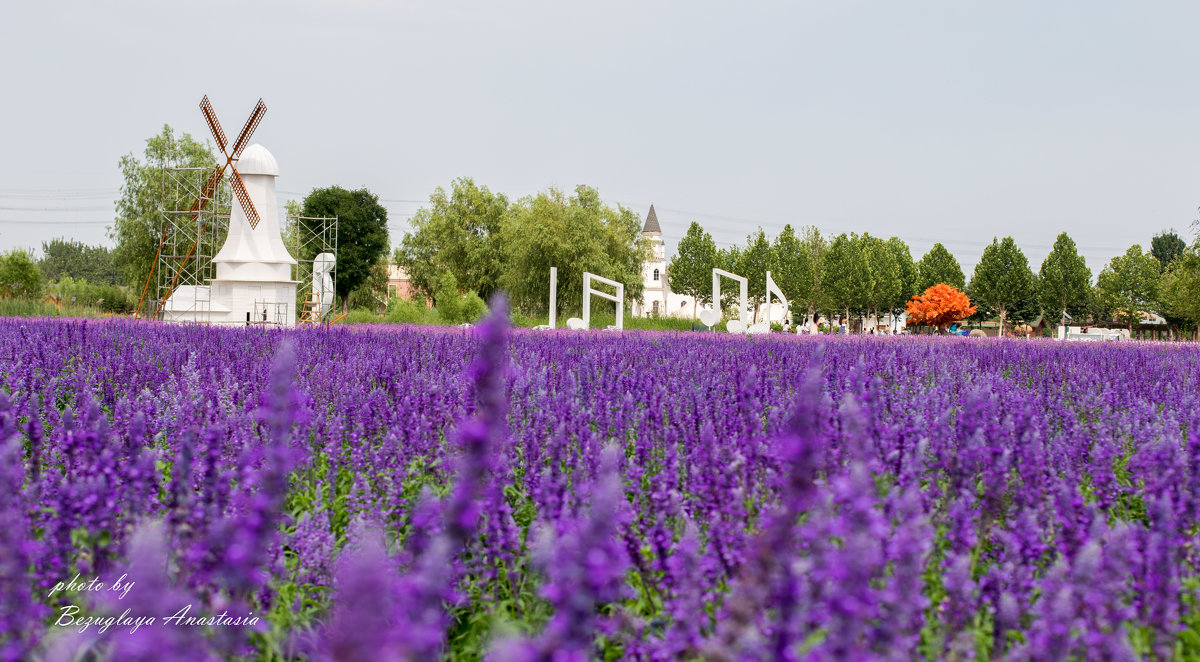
1003, 280
939, 266
796, 271
1064, 282
1166, 247
137, 227
1179, 289
1129, 284
362, 232
690, 271
459, 232
575, 234
847, 281
19, 276
64, 258
753, 263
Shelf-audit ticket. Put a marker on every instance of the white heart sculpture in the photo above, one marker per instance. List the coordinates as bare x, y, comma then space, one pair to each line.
576, 324
735, 326
759, 329
709, 317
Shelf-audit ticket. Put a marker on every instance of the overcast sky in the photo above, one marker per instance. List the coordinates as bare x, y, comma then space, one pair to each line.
932, 121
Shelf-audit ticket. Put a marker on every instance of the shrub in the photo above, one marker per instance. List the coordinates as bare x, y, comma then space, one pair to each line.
453, 307
73, 293
362, 316
406, 311
20, 277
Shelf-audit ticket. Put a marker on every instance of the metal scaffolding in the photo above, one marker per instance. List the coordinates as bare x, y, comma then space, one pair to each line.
190, 239
306, 237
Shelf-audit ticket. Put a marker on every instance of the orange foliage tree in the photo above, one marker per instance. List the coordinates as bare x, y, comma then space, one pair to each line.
938, 306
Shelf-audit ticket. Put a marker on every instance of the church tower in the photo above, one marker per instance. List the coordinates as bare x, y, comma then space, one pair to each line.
654, 273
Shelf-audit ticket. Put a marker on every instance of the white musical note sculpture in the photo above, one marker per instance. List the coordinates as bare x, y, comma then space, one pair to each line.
553, 301
553, 295
588, 291
733, 326
772, 288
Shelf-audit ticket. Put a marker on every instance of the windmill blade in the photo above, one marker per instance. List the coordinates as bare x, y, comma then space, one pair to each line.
251, 124
239, 189
214, 126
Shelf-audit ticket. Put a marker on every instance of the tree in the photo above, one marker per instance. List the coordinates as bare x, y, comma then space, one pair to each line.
1179, 289
575, 234
1128, 285
62, 258
1064, 281
19, 276
795, 266
1003, 279
453, 306
907, 271
138, 226
938, 306
728, 259
1166, 247
372, 293
886, 278
690, 271
815, 245
939, 266
457, 233
362, 233
753, 264
846, 280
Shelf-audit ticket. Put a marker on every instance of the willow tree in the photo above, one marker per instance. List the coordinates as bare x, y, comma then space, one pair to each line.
138, 226
574, 233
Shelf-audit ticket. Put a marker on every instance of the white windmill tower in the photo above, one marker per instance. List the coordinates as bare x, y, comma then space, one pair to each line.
253, 282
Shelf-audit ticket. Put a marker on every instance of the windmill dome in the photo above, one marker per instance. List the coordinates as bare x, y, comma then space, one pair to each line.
256, 160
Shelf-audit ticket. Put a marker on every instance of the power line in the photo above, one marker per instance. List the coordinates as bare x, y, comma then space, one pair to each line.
12, 221
55, 209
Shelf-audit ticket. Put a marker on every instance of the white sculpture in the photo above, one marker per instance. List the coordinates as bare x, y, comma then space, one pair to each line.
553, 301
772, 288
743, 320
618, 298
322, 284
553, 295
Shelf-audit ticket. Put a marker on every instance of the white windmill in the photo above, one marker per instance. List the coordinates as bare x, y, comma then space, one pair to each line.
253, 282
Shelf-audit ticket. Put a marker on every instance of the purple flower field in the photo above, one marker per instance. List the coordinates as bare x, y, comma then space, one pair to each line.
190, 493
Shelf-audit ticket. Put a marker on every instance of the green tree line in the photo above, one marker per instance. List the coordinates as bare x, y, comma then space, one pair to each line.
490, 243
858, 275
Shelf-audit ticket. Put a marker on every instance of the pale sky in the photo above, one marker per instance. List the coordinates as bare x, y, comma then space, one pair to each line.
933, 121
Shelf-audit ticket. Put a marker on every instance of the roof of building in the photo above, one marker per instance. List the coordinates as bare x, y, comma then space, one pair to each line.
651, 222
256, 160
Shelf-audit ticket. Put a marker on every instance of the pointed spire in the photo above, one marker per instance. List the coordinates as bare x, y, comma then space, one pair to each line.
651, 223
